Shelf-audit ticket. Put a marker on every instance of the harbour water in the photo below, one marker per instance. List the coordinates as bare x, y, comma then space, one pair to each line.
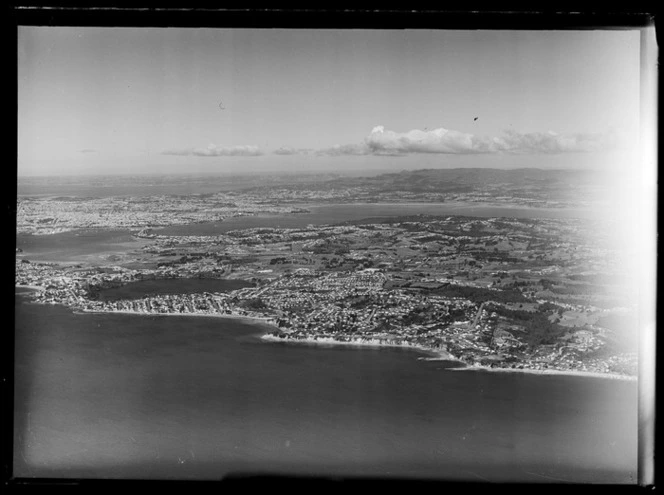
336, 213
164, 397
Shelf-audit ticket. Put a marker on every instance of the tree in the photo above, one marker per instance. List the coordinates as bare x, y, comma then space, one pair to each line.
254, 303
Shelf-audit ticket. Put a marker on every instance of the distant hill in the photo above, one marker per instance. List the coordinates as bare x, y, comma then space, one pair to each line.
532, 186
531, 183
464, 178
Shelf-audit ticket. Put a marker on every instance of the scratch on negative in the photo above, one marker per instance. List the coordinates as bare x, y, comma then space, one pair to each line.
476, 475
545, 477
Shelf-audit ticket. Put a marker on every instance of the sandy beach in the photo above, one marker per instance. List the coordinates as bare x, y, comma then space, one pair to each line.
437, 355
254, 320
30, 287
592, 374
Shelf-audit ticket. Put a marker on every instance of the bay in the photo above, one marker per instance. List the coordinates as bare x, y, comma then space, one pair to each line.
158, 287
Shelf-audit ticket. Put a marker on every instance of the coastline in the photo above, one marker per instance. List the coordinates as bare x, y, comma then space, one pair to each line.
254, 320
439, 355
436, 355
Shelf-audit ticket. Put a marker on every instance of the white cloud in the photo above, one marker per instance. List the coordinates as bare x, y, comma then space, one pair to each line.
381, 141
416, 141
214, 150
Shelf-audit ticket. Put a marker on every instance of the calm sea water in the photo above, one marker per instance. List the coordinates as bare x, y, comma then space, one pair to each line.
110, 396
127, 185
75, 246
141, 288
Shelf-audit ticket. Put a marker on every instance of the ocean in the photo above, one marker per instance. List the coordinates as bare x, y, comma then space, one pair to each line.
182, 397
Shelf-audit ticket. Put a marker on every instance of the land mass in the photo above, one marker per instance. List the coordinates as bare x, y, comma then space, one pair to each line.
491, 292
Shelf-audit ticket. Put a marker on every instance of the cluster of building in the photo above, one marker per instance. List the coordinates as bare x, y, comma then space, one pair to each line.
192, 304
44, 216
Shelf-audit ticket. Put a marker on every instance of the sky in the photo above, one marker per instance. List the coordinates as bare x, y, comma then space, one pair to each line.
139, 100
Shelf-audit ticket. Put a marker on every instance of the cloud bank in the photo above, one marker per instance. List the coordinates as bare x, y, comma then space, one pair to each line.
454, 142
448, 141
214, 150
437, 141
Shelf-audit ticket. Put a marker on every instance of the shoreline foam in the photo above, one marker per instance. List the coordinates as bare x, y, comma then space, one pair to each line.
589, 374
